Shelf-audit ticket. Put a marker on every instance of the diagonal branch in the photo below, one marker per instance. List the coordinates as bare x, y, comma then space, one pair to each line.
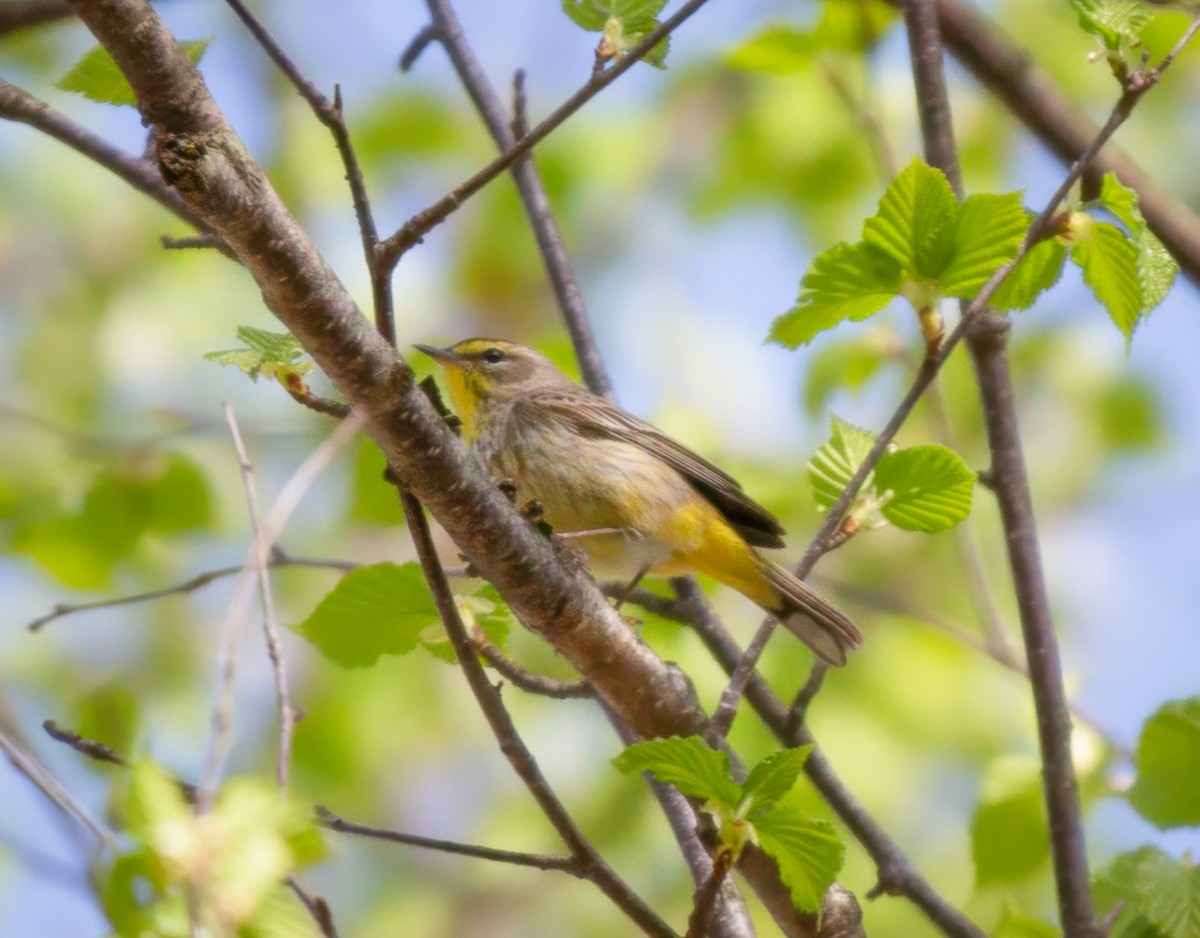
1009, 72
18, 105
411, 233
447, 30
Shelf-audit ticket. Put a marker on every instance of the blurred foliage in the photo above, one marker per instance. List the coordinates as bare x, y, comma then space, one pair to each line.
116, 476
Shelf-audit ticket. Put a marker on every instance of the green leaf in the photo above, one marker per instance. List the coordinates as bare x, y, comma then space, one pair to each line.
1009, 838
774, 777
1016, 924
270, 354
1109, 262
1117, 883
850, 26
1157, 269
930, 488
1166, 792
97, 77
776, 49
179, 498
624, 24
807, 850
845, 365
153, 810
848, 281
373, 611
990, 227
1038, 270
688, 763
916, 221
1118, 23
1167, 892
833, 465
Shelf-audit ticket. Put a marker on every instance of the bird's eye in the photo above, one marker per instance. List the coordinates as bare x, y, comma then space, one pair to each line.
493, 356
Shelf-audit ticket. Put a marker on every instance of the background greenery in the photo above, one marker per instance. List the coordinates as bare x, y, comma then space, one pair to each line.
691, 201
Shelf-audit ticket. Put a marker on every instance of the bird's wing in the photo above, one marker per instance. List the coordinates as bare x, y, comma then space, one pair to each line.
595, 416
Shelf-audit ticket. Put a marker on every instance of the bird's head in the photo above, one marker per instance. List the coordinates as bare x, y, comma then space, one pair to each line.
481, 373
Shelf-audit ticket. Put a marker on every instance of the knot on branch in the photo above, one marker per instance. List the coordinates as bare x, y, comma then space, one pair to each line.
841, 915
179, 156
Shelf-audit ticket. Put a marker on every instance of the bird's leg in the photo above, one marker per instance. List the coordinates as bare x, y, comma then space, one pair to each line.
623, 596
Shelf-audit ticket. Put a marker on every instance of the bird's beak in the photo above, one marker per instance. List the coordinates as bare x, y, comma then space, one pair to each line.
444, 355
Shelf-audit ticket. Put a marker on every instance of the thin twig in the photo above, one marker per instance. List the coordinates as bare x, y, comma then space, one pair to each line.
285, 504
54, 790
411, 233
1001, 653
278, 558
191, 243
1008, 71
537, 861
530, 188
16, 104
592, 865
526, 680
262, 561
317, 907
1139, 83
330, 113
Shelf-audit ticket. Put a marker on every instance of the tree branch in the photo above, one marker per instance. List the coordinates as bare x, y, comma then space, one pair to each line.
591, 865
1009, 72
426, 220
447, 30
18, 105
537, 861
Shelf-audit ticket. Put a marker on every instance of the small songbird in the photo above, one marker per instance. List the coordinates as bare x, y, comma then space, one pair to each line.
637, 501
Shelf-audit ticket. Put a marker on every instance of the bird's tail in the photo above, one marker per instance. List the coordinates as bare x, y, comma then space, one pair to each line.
811, 617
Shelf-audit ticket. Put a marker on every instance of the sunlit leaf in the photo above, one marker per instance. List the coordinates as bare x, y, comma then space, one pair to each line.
916, 221
1009, 838
97, 77
848, 281
373, 611
808, 851
1109, 262
688, 763
930, 488
265, 353
774, 777
834, 464
1168, 765
1039, 270
989, 229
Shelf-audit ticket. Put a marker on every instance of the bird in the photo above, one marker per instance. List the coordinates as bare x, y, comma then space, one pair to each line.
636, 501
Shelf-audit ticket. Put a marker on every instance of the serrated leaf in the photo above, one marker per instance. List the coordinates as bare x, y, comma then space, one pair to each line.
1117, 884
1118, 23
848, 281
1038, 271
1109, 262
97, 77
1009, 838
930, 488
1168, 764
1167, 892
265, 353
688, 763
774, 777
834, 464
1157, 269
624, 24
373, 611
807, 850
916, 221
990, 227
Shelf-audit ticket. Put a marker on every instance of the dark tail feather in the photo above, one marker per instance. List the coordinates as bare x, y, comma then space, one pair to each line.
813, 619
